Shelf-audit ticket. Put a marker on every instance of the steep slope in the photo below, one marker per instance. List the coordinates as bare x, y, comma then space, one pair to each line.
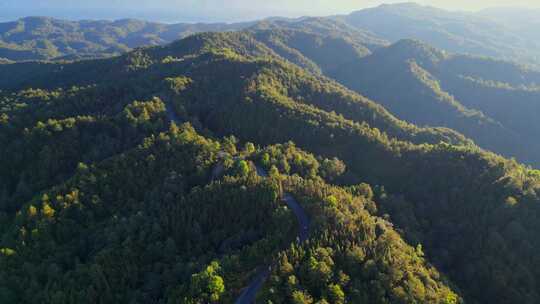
50, 121
329, 268
504, 91
326, 133
314, 52
428, 87
452, 31
490, 101
324, 26
474, 213
524, 20
452, 188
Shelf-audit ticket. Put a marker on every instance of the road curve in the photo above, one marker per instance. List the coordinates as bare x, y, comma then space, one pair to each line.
250, 292
171, 114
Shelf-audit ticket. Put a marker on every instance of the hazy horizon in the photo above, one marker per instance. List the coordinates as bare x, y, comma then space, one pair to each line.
217, 11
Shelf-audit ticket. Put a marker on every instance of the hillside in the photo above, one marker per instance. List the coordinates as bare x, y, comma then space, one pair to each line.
508, 35
43, 38
127, 209
489, 101
315, 52
524, 20
103, 200
326, 27
140, 75
167, 234
476, 34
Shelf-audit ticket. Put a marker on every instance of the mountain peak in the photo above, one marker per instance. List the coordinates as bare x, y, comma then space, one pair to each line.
413, 44
36, 18
401, 5
404, 7
415, 49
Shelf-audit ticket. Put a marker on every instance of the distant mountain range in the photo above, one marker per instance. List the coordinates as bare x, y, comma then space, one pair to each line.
485, 34
506, 34
42, 38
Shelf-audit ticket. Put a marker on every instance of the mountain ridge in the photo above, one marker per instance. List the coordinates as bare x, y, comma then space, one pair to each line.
426, 86
472, 33
103, 199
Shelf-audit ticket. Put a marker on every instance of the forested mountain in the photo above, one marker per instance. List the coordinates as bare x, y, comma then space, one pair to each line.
511, 35
313, 51
326, 27
104, 200
522, 20
492, 102
472, 33
489, 101
43, 38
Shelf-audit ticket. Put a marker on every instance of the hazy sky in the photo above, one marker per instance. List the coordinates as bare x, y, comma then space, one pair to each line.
216, 10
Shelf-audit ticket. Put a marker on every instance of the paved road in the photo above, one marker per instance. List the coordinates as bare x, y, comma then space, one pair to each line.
216, 172
171, 114
261, 171
250, 292
301, 216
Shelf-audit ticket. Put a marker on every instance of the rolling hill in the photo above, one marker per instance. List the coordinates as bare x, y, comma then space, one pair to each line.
43, 38
489, 101
104, 199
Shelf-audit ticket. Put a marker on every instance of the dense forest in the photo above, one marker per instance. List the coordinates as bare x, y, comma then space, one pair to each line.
44, 38
490, 101
487, 100
110, 193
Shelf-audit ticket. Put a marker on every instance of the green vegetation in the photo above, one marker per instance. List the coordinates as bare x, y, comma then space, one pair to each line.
479, 34
103, 200
337, 266
485, 33
489, 101
41, 38
132, 224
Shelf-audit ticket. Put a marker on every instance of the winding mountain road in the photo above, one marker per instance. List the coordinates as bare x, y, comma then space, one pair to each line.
171, 114
250, 292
